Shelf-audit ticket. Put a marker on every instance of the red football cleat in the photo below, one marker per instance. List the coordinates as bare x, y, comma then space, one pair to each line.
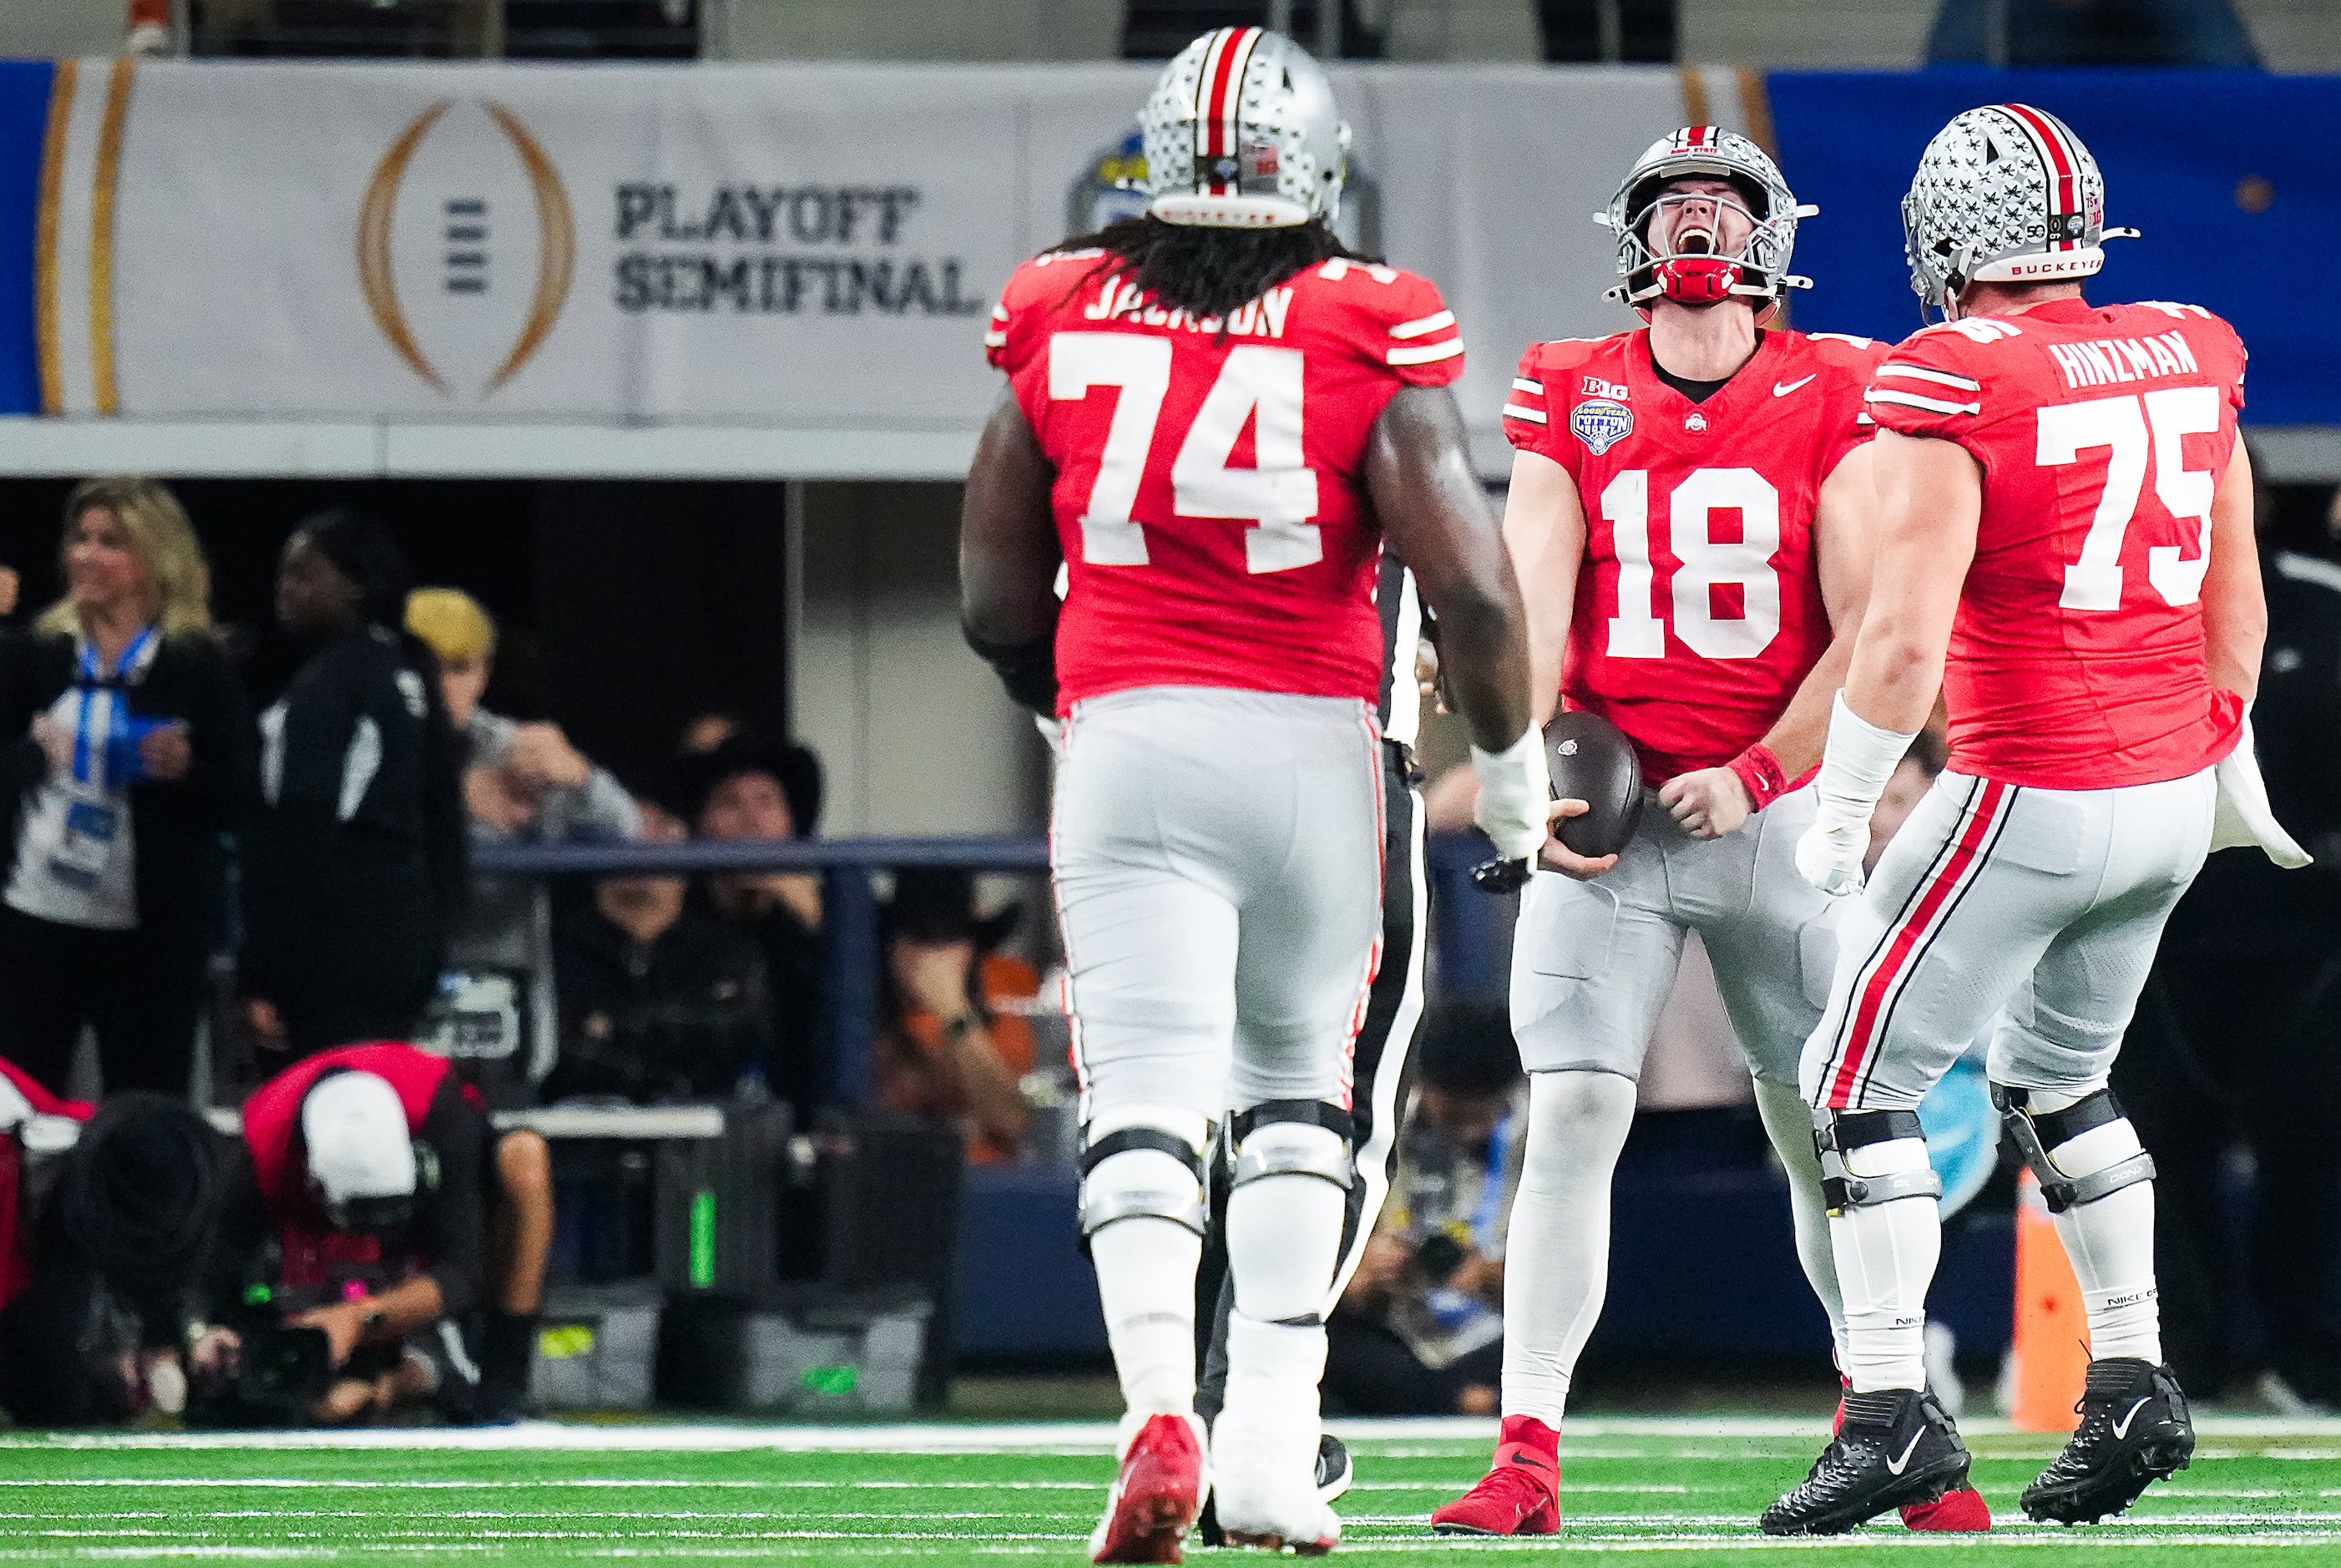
1155, 1498
1520, 1493
1961, 1509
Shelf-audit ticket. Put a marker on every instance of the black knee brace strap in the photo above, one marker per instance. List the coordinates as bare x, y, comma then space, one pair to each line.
1837, 1133
1336, 1168
2037, 1134
1179, 1208
1307, 1112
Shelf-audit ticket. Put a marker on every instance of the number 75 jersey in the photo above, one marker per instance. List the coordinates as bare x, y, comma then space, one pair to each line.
1210, 491
2076, 659
1699, 605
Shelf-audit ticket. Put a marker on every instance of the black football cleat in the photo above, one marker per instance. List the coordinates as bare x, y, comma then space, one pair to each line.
1897, 1446
2133, 1432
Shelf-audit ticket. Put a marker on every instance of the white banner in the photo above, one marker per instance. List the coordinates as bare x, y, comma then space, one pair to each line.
811, 246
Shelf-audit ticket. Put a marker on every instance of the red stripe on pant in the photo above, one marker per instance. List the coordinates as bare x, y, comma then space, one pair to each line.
1906, 943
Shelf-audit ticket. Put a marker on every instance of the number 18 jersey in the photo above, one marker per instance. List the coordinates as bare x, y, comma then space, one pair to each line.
1209, 488
1699, 606
2076, 660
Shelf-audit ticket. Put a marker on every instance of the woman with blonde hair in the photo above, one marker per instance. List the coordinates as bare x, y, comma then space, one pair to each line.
134, 748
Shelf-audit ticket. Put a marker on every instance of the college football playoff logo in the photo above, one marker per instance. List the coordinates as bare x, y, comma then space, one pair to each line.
466, 245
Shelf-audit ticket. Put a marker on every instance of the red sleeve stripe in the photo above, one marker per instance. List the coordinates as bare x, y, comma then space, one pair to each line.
1426, 326
1912, 400
1533, 388
1520, 411
1939, 377
1425, 353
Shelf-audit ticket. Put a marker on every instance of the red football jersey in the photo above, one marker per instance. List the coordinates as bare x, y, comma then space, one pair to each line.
2076, 659
1211, 487
1699, 604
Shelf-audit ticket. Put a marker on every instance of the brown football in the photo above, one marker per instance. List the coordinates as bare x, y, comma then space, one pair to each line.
1591, 760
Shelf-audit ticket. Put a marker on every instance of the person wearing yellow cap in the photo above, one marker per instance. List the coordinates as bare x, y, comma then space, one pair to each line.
523, 783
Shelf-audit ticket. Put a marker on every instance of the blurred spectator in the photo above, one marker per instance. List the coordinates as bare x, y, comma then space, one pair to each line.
944, 1052
2232, 1048
106, 1226
1420, 1331
751, 788
135, 755
706, 731
355, 866
520, 781
374, 1201
1906, 786
522, 784
2090, 33
658, 1000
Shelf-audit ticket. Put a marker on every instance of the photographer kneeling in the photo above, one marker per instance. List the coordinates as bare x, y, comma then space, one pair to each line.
375, 1204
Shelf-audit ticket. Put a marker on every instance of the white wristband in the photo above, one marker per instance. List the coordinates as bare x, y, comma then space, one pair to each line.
1515, 795
1854, 770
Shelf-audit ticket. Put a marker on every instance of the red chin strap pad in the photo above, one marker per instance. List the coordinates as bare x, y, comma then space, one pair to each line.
1697, 280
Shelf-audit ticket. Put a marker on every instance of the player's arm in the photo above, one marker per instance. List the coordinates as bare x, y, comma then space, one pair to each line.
1930, 500
1419, 473
1008, 559
1544, 533
1712, 802
2235, 608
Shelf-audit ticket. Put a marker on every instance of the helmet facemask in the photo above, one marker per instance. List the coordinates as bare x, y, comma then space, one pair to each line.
1657, 258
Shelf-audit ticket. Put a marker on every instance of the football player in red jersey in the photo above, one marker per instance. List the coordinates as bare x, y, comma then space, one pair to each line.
1216, 416
2064, 550
1688, 515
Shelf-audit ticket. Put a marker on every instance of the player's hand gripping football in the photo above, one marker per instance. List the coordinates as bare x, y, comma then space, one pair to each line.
1709, 803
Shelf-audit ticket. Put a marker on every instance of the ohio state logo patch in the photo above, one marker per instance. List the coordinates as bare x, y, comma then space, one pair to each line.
1601, 424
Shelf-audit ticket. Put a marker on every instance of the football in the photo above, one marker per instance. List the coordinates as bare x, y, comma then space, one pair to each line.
1591, 760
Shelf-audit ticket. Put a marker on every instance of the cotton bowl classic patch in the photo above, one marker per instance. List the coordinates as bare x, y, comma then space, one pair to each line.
1601, 424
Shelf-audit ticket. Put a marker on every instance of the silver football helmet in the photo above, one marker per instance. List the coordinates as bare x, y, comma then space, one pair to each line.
1703, 277
1242, 132
2004, 194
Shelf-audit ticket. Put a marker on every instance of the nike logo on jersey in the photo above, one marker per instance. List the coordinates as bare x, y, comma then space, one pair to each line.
1895, 1467
2121, 1427
1782, 388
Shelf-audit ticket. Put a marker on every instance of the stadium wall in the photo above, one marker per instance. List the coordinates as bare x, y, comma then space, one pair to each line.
783, 270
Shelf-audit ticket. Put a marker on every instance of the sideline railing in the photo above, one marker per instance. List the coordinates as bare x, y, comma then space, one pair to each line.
851, 959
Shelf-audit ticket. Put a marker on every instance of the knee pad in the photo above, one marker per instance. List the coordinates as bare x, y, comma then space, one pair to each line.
1142, 1172
1837, 1134
1292, 1138
2037, 1132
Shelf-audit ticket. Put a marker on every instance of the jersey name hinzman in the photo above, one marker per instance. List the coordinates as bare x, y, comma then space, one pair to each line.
2117, 359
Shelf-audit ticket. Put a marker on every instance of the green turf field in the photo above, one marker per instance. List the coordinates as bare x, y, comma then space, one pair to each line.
686, 1494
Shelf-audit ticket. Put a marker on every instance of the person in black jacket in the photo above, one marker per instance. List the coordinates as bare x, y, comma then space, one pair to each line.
355, 861
132, 750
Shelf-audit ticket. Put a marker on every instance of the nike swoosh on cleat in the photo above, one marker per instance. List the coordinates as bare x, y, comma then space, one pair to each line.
1528, 1462
1897, 1466
1782, 388
2121, 1427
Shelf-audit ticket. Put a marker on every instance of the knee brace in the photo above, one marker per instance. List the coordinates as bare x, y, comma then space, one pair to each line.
2037, 1132
1837, 1133
1292, 1138
1113, 1188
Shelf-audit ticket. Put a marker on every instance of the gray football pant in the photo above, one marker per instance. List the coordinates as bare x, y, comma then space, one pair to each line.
1219, 870
1593, 963
2047, 903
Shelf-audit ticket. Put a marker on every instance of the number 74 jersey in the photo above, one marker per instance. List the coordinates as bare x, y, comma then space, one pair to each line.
1699, 606
2076, 659
1209, 490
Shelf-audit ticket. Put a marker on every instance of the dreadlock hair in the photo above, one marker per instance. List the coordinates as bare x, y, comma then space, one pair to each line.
141, 1196
1206, 270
